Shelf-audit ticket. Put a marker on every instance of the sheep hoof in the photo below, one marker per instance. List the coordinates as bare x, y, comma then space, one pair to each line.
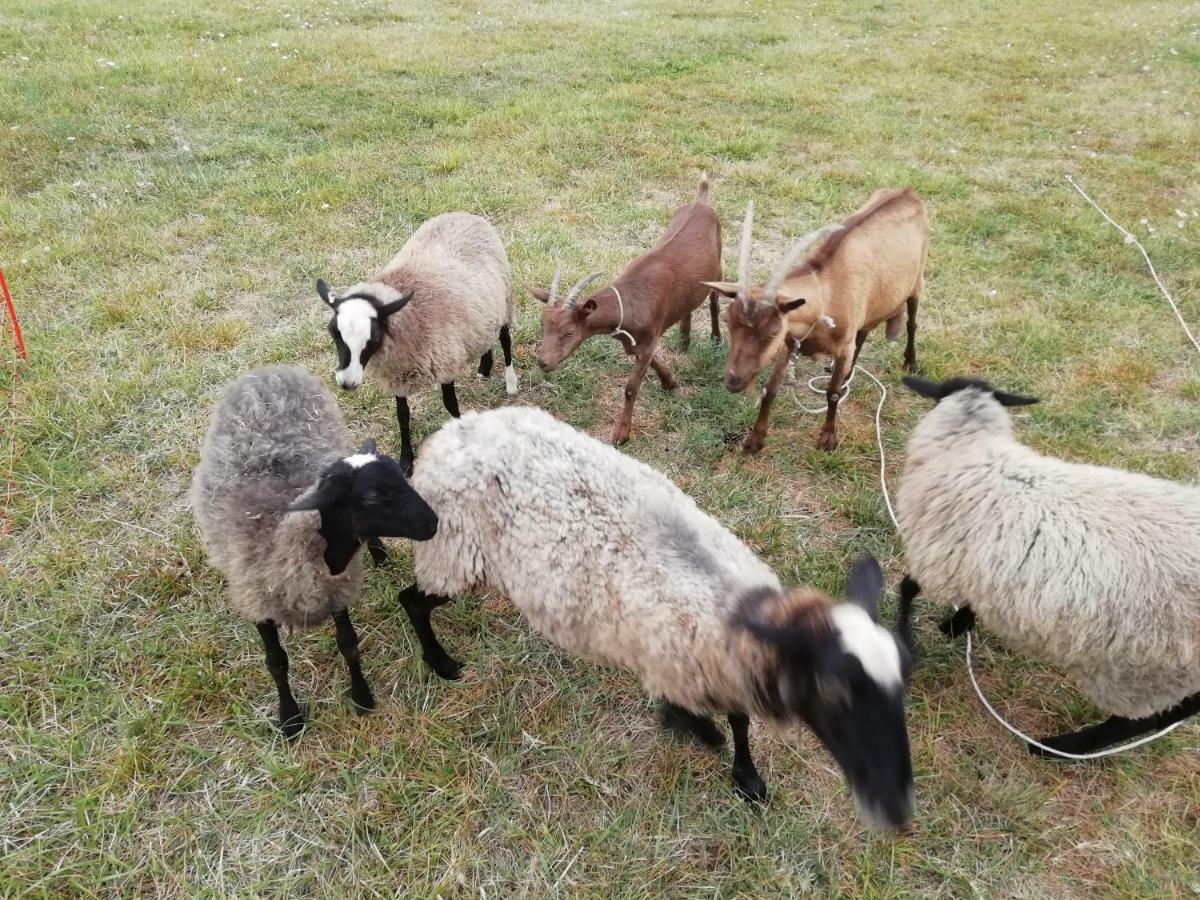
406, 465
958, 624
447, 667
362, 699
750, 785
292, 725
687, 725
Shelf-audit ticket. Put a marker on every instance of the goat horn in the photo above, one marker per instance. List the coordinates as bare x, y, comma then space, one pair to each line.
569, 302
743, 271
554, 284
792, 259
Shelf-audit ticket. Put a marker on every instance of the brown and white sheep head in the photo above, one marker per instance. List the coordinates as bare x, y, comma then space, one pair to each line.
357, 326
564, 321
839, 671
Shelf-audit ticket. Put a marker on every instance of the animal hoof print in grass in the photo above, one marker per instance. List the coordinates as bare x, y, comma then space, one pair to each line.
752, 788
827, 440
448, 668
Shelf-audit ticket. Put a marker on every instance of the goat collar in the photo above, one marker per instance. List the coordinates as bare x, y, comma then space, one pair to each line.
620, 330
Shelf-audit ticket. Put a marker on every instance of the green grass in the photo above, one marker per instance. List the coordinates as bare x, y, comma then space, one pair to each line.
161, 224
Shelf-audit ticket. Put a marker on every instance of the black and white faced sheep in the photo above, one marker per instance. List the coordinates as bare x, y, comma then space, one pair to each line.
284, 506
1091, 569
429, 317
610, 560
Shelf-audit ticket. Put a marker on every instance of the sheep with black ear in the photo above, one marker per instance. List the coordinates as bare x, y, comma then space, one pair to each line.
1093, 570
284, 506
611, 561
429, 317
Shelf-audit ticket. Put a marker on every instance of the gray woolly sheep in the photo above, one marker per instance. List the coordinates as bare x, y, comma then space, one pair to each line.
610, 560
434, 310
283, 508
1091, 569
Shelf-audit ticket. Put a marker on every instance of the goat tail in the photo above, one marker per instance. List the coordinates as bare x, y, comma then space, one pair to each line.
702, 191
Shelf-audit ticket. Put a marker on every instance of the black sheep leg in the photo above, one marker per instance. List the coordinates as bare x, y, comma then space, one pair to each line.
485, 365
745, 776
419, 605
406, 451
962, 621
450, 399
687, 724
291, 720
506, 345
347, 641
909, 589
1117, 730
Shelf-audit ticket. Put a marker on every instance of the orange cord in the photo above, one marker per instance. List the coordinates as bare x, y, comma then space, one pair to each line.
12, 315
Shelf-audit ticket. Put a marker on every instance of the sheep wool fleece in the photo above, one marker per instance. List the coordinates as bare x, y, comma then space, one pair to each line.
601, 553
1093, 569
457, 271
272, 434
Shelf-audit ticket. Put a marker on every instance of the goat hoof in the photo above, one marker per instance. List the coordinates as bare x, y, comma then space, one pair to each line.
751, 786
910, 364
447, 667
752, 443
620, 436
827, 440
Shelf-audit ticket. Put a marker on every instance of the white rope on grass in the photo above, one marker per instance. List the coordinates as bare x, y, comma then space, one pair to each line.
1130, 239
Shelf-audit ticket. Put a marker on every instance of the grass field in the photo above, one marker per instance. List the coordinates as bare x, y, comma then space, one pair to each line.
174, 177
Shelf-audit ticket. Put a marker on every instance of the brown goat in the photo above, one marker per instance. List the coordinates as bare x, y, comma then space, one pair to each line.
656, 290
864, 271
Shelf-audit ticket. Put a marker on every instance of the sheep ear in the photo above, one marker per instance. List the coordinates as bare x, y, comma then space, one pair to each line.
395, 306
329, 490
930, 389
325, 294
1006, 399
795, 642
864, 587
368, 446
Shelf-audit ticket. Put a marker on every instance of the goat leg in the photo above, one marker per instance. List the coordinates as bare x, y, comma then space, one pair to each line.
644, 356
754, 440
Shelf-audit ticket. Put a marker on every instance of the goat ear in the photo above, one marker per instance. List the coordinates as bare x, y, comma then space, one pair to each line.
323, 292
864, 587
538, 293
786, 306
1014, 399
395, 306
329, 490
586, 309
724, 288
930, 389
368, 446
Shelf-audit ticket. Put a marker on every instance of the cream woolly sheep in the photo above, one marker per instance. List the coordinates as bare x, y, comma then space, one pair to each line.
610, 560
434, 310
1091, 569
283, 508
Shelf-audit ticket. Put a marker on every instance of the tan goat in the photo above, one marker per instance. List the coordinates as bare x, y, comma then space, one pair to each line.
864, 271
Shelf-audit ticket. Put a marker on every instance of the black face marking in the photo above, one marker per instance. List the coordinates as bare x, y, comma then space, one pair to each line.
358, 502
343, 352
861, 723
